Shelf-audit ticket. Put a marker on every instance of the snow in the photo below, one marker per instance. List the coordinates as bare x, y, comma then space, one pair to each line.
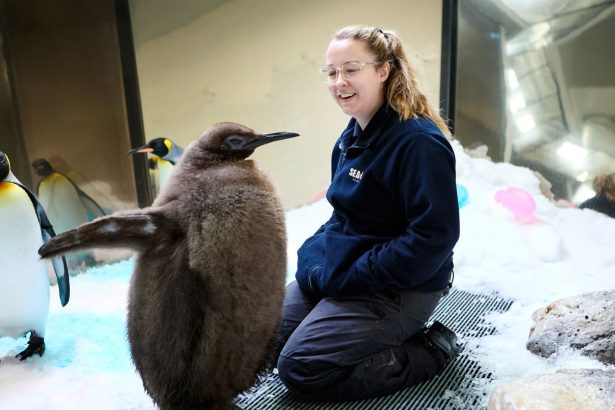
564, 252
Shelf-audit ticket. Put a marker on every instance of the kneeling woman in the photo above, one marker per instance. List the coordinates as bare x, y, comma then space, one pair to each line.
370, 278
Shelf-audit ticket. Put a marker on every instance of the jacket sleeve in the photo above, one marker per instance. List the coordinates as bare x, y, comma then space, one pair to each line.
311, 254
428, 195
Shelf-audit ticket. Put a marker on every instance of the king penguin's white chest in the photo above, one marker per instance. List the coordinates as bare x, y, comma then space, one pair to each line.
165, 169
61, 202
24, 283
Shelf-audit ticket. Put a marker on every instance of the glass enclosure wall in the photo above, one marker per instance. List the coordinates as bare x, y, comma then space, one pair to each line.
536, 85
256, 63
62, 101
68, 95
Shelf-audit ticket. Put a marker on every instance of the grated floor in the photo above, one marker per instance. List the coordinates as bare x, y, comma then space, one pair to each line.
455, 388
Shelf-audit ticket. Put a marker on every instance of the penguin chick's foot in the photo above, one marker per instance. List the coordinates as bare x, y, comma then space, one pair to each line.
36, 345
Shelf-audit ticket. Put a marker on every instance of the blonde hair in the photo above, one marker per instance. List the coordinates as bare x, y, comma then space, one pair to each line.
605, 184
402, 90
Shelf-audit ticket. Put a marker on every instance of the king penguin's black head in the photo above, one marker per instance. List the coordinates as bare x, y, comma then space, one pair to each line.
5, 166
42, 167
233, 141
158, 146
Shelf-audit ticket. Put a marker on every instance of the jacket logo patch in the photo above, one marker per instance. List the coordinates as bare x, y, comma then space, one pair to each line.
356, 174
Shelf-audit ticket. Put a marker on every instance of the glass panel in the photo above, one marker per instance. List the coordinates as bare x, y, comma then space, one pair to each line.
536, 86
62, 101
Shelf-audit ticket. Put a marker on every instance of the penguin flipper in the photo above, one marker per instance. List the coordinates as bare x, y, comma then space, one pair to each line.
93, 209
134, 231
61, 270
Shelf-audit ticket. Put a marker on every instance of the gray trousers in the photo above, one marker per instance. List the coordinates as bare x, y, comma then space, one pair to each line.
350, 348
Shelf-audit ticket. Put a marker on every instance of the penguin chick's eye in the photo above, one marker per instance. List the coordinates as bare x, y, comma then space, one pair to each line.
234, 141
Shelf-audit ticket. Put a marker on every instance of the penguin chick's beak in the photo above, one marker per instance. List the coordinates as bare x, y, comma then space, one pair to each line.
267, 138
140, 150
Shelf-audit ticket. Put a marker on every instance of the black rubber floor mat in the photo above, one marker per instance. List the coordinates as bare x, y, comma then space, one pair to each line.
455, 388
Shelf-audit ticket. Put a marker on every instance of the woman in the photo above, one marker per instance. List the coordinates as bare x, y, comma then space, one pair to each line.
604, 200
369, 279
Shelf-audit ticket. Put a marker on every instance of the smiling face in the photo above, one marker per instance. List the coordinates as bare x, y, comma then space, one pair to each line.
361, 95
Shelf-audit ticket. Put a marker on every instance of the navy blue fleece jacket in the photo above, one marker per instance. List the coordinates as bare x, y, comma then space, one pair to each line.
395, 220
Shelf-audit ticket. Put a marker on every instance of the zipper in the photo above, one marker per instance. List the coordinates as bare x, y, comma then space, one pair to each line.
343, 157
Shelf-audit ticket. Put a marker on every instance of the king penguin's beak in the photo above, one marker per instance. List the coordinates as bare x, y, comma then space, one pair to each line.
267, 138
140, 150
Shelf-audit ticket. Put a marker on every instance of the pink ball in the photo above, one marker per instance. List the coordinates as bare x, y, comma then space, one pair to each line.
519, 202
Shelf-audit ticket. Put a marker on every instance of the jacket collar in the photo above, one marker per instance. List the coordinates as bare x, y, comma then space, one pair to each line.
381, 120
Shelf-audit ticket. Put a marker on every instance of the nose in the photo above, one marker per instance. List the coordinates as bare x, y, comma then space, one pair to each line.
339, 78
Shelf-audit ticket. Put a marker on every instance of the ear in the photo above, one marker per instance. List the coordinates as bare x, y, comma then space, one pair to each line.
384, 71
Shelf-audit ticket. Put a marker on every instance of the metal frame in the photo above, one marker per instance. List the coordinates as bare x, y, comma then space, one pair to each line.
133, 99
448, 65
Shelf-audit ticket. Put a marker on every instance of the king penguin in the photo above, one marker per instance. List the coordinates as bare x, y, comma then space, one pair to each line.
166, 155
58, 192
206, 293
24, 285
67, 206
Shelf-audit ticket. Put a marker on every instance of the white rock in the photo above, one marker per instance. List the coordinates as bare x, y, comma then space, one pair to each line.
585, 322
586, 389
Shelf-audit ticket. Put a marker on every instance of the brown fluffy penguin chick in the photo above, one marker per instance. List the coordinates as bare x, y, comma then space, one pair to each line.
206, 294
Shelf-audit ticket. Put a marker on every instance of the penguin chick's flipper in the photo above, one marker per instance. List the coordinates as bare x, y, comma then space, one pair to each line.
36, 345
133, 231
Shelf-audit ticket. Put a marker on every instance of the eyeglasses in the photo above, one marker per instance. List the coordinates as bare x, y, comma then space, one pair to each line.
328, 73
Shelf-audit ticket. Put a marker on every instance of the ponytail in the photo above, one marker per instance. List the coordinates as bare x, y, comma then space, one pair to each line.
401, 88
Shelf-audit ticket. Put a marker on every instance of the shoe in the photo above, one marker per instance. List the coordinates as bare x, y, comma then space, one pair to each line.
442, 338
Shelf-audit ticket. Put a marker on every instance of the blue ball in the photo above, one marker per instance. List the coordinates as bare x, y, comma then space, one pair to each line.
462, 195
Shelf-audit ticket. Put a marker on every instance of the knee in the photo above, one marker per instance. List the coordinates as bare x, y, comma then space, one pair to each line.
301, 379
293, 374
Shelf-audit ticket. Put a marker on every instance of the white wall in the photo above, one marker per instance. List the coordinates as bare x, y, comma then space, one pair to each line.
255, 63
